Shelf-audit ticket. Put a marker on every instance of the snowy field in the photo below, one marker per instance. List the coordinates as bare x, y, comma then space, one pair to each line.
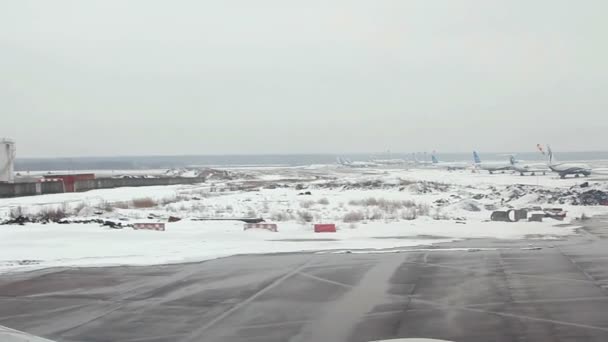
372, 208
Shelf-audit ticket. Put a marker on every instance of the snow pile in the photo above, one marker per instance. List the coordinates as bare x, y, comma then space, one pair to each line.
584, 194
199, 173
186, 173
467, 205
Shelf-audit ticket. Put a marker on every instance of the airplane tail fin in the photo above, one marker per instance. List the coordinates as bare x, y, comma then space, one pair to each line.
512, 159
434, 159
476, 157
342, 161
540, 148
550, 154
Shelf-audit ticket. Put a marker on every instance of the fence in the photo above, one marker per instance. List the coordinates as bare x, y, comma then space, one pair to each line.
108, 183
53, 187
30, 188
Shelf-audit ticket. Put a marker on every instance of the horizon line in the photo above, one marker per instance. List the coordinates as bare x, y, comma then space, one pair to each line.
290, 154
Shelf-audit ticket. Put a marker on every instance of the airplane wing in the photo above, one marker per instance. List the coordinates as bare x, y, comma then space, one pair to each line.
12, 335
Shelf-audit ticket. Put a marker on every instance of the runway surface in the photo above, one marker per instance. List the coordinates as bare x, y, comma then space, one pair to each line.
473, 291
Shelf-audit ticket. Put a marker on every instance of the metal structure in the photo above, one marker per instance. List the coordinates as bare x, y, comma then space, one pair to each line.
7, 160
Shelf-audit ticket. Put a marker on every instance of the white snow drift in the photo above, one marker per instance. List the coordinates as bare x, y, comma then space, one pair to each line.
394, 208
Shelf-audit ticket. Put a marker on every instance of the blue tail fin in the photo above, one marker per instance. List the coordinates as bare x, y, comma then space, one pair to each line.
512, 160
434, 159
476, 157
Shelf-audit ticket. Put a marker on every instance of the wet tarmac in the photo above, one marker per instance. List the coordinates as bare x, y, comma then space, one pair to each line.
473, 291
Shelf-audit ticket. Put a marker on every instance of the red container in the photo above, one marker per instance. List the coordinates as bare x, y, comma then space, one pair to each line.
325, 228
68, 180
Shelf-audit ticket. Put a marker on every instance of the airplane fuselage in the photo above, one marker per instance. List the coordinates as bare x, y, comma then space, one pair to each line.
530, 168
493, 167
575, 169
451, 166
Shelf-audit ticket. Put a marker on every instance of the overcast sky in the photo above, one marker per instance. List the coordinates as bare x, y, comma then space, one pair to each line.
103, 78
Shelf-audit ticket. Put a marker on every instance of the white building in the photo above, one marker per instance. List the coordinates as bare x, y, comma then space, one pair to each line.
7, 160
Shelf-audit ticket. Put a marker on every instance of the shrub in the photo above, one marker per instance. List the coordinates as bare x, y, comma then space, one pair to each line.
110, 206
375, 215
16, 212
306, 204
198, 207
438, 215
423, 209
78, 208
353, 216
106, 206
147, 202
409, 214
120, 205
408, 203
52, 214
360, 202
323, 201
173, 199
167, 200
281, 216
305, 216
389, 206
406, 182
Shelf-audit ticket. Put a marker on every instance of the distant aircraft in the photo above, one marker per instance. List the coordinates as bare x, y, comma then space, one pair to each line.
524, 168
491, 166
389, 161
449, 166
355, 164
564, 169
420, 162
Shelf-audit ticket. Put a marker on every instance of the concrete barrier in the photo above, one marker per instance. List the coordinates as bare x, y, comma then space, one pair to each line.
29, 189
51, 187
268, 226
54, 187
149, 226
108, 183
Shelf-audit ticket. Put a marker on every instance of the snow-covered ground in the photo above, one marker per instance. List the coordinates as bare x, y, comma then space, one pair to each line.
373, 209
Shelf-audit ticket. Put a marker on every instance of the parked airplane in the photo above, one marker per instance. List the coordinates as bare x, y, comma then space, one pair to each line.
355, 164
449, 166
491, 166
564, 169
389, 161
524, 168
420, 162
